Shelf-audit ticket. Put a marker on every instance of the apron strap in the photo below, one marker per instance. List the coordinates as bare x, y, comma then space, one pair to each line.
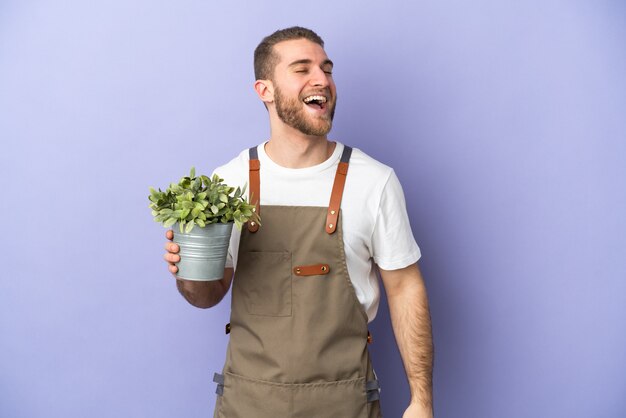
337, 193
335, 197
255, 186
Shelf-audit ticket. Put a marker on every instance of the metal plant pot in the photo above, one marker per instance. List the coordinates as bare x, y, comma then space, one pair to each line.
203, 251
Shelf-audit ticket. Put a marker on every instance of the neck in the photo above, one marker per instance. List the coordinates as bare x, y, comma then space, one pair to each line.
291, 148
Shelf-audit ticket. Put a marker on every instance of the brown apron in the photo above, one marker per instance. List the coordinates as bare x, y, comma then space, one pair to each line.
298, 334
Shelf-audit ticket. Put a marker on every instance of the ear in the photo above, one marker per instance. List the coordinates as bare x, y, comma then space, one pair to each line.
265, 90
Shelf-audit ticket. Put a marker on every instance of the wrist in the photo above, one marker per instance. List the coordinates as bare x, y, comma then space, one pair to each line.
417, 409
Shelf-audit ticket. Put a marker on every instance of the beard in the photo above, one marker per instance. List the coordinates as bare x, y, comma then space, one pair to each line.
292, 113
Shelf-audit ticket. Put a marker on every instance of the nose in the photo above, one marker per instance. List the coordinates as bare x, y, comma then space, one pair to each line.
319, 78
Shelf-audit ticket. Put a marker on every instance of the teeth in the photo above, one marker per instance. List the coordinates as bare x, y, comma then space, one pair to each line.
320, 99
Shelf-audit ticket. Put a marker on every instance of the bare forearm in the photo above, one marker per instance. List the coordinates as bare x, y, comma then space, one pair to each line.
410, 317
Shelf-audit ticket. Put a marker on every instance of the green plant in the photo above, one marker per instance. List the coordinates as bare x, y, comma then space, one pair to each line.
200, 201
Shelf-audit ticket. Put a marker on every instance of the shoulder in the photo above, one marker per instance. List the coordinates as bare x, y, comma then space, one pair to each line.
362, 161
365, 169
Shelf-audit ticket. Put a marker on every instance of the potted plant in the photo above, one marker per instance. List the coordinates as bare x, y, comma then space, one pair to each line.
202, 211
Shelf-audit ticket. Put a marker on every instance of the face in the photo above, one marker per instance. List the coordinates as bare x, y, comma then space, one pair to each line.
304, 90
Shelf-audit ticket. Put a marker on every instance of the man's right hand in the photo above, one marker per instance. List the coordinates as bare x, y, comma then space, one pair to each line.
171, 256
202, 294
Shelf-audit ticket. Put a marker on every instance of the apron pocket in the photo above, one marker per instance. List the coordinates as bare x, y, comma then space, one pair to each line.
244, 397
344, 399
265, 282
248, 398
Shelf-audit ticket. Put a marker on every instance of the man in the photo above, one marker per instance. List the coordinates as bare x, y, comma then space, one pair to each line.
305, 284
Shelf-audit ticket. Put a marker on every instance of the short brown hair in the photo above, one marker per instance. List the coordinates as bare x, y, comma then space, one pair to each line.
265, 59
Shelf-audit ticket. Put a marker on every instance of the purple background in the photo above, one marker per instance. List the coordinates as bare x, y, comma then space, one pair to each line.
505, 121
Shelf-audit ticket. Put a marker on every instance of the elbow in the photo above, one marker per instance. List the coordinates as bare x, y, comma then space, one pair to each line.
198, 304
197, 294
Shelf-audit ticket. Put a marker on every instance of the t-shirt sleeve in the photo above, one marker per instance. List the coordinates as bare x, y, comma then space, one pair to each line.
229, 257
229, 174
233, 248
393, 244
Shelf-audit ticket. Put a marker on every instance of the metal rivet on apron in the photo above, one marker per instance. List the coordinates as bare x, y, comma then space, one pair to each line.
332, 212
324, 268
298, 271
253, 209
330, 225
252, 223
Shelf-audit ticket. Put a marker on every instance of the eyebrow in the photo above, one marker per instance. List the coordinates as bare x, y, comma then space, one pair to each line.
308, 61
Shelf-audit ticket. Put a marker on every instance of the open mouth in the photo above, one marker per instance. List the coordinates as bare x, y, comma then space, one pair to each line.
315, 101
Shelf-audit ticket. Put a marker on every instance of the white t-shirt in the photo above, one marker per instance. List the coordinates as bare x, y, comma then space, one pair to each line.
375, 223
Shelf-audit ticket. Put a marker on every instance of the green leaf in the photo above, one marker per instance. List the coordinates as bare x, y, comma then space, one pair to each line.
169, 222
197, 183
189, 226
200, 200
200, 223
